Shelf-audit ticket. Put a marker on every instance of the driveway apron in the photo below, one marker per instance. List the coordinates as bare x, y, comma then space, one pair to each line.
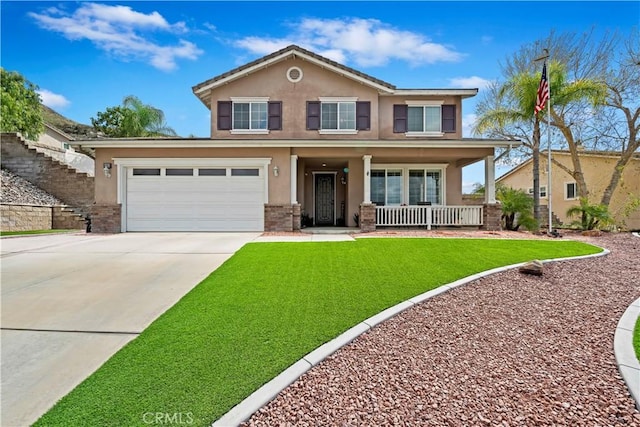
69, 302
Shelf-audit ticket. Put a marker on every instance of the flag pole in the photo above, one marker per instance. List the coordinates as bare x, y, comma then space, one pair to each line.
550, 229
543, 98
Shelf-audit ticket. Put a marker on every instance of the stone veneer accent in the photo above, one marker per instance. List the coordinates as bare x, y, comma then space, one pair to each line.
65, 218
282, 217
367, 217
297, 218
491, 217
106, 218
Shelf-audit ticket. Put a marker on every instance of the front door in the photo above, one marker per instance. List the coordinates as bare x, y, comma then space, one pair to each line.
325, 199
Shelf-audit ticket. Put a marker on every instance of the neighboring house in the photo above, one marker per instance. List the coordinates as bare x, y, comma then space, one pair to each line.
294, 134
597, 168
56, 144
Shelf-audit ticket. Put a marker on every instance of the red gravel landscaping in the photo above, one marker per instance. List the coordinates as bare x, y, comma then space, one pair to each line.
505, 350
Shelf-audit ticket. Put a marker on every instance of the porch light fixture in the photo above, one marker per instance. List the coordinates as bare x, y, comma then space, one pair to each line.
106, 168
276, 171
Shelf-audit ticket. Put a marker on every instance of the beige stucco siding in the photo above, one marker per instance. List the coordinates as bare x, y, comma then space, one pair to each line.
317, 82
309, 161
272, 82
597, 170
279, 187
386, 114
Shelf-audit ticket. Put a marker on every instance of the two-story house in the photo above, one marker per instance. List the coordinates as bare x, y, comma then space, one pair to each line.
597, 167
297, 136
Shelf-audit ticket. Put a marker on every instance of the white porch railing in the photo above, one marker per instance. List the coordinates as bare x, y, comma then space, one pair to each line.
428, 216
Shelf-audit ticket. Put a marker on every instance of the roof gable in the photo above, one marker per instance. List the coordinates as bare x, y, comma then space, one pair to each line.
201, 90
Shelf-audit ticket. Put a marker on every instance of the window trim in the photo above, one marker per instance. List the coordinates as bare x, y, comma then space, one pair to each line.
406, 167
542, 190
339, 100
249, 100
575, 190
432, 103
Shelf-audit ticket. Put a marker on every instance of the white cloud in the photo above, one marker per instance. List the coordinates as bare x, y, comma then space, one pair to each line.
211, 27
119, 30
486, 39
366, 42
262, 46
53, 100
470, 82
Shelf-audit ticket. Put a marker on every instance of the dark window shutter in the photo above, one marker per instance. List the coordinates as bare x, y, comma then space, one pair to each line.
275, 115
224, 115
313, 115
400, 113
448, 118
363, 115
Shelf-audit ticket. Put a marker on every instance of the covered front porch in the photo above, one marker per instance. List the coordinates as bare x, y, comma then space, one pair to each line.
375, 191
429, 216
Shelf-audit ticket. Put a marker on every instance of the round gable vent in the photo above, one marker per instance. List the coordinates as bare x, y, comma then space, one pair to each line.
294, 74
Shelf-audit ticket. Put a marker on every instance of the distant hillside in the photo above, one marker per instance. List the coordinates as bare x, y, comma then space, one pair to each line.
68, 126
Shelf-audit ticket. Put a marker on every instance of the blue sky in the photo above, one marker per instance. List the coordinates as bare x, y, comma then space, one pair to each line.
87, 56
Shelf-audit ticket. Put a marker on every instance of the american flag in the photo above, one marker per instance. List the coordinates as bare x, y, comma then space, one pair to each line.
543, 91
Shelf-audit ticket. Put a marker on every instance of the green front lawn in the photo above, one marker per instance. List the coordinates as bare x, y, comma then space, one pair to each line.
264, 309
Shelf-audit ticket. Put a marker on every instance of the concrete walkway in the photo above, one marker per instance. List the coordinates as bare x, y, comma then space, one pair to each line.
69, 302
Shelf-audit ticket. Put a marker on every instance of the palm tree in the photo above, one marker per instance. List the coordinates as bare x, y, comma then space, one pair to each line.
516, 208
143, 120
566, 93
515, 106
516, 99
591, 216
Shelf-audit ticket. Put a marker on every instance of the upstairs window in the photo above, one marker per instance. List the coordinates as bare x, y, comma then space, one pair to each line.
249, 115
423, 118
338, 115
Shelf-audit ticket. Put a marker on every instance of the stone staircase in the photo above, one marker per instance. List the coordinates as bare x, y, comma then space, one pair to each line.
75, 189
544, 215
67, 218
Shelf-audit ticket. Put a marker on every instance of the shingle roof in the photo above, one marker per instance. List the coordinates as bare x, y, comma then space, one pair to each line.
592, 153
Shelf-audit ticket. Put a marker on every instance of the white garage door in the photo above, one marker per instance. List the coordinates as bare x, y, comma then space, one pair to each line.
195, 199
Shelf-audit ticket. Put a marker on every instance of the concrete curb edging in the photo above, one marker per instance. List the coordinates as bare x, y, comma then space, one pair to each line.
256, 400
626, 359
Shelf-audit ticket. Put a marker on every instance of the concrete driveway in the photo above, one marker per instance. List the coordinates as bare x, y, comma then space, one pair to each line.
69, 302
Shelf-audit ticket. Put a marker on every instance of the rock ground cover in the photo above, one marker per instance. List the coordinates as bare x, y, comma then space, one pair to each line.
18, 191
509, 349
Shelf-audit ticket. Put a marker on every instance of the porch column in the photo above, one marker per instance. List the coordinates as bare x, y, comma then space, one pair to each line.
367, 178
489, 180
294, 179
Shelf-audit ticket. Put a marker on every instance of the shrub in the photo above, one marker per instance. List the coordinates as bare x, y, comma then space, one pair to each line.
592, 216
517, 209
